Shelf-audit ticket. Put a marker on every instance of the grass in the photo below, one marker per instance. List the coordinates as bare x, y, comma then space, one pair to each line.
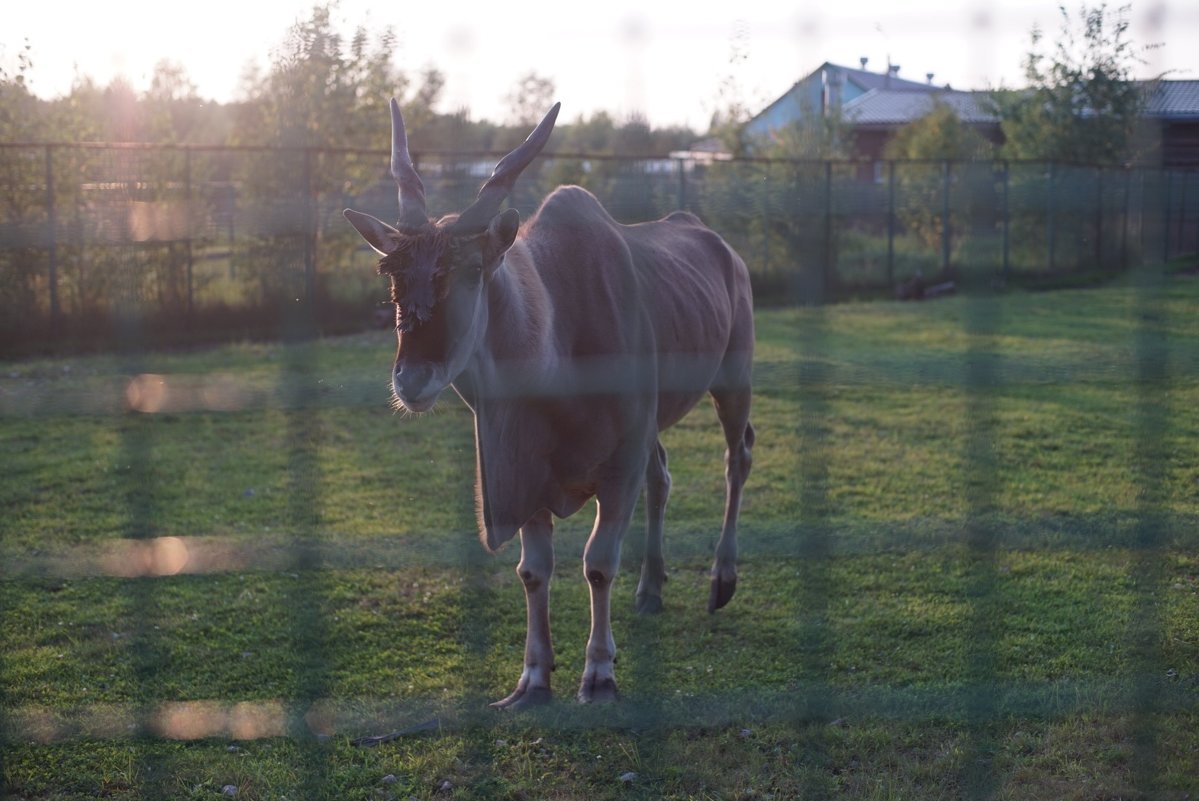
969, 569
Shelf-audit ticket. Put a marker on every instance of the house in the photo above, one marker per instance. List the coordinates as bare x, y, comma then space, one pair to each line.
875, 105
1174, 107
704, 152
876, 115
825, 91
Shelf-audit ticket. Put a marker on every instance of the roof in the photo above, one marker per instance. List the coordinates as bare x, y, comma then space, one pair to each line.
888, 100
712, 144
864, 80
876, 80
901, 106
704, 151
1174, 100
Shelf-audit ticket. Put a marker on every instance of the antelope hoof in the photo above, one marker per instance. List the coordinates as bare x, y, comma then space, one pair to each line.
598, 691
721, 592
525, 698
648, 604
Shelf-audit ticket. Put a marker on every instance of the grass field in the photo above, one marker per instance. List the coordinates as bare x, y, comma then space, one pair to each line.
970, 568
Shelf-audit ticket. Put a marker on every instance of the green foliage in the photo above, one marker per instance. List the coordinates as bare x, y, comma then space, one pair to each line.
174, 113
812, 136
322, 90
731, 111
939, 136
530, 99
20, 200
19, 120
24, 194
787, 203
1082, 105
318, 85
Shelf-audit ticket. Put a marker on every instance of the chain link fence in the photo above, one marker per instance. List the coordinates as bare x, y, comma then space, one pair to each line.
131, 247
212, 243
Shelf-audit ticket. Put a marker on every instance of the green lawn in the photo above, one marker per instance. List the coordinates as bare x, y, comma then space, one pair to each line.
970, 568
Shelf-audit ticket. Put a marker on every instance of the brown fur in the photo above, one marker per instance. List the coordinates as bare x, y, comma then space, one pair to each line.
575, 341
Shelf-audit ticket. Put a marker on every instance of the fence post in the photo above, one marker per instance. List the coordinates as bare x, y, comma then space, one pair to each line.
1141, 218
1049, 221
52, 238
1007, 222
1124, 220
945, 232
764, 254
682, 185
1182, 215
1166, 216
828, 231
1195, 249
187, 201
891, 225
1099, 218
309, 238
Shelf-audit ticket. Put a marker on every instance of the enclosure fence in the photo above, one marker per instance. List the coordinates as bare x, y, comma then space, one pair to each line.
208, 239
252, 240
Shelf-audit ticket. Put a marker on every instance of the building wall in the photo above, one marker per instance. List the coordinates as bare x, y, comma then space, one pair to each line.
1180, 144
805, 98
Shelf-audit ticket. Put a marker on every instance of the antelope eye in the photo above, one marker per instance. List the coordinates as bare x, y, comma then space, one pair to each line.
473, 266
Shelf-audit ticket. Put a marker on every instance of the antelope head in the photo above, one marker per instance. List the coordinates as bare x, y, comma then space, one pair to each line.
439, 269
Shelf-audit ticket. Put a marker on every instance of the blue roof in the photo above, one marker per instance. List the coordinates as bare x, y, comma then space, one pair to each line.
1174, 100
804, 97
871, 98
901, 106
877, 80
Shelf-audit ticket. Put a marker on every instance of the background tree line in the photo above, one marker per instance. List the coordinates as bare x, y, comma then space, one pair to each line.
1081, 105
242, 231
321, 89
262, 229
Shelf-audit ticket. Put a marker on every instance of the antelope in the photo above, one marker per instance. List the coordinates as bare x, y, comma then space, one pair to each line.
575, 341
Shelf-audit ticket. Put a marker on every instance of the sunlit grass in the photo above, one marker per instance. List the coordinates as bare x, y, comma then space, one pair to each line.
852, 663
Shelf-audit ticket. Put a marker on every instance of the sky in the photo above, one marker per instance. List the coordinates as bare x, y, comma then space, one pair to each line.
664, 60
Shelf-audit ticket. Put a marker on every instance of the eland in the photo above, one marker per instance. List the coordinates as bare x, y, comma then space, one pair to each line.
575, 341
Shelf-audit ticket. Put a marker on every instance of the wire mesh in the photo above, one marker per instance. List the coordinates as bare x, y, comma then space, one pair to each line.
210, 241
160, 234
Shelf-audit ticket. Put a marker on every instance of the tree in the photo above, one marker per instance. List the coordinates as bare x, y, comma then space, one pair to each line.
812, 136
18, 107
530, 99
1082, 105
172, 107
426, 128
731, 112
320, 90
21, 196
593, 134
635, 138
929, 143
939, 135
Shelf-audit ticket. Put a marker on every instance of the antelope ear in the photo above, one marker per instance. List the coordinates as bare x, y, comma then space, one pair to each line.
501, 232
378, 234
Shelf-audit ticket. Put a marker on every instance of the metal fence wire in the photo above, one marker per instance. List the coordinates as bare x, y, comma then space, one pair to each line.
207, 240
134, 244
